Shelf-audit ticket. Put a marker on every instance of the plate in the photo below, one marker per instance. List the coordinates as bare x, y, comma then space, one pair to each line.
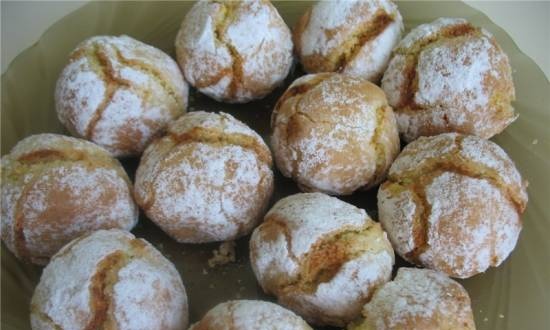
515, 295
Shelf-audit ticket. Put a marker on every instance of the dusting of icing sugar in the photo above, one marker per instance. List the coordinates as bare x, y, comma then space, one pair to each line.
428, 30
203, 191
63, 293
396, 214
456, 73
147, 308
355, 280
373, 57
424, 149
62, 200
151, 79
79, 92
222, 122
198, 193
208, 56
490, 154
250, 315
463, 240
289, 232
394, 79
302, 214
419, 294
328, 15
95, 198
336, 121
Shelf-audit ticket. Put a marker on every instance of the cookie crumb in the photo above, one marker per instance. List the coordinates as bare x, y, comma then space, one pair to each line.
535, 141
204, 272
501, 316
223, 255
485, 319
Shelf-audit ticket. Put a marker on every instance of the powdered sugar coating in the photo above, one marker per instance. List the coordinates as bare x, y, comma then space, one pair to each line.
336, 136
331, 25
463, 81
119, 93
250, 315
79, 189
468, 240
147, 288
296, 226
209, 179
419, 299
462, 195
224, 60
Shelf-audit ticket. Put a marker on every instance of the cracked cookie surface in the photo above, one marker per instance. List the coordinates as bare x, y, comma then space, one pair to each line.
250, 315
234, 51
418, 299
449, 76
56, 188
109, 280
334, 133
350, 37
209, 179
119, 93
321, 257
453, 203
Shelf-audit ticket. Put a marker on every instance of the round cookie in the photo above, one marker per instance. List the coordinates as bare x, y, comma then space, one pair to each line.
418, 299
119, 93
348, 36
109, 280
250, 315
453, 203
56, 188
209, 179
234, 51
449, 76
334, 133
321, 257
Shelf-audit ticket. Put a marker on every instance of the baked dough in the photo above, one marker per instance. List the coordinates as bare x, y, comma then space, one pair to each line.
250, 315
234, 51
322, 258
109, 280
453, 203
334, 133
353, 37
56, 188
209, 179
450, 76
119, 93
418, 299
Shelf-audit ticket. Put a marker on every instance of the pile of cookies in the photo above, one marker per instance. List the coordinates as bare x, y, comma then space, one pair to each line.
449, 202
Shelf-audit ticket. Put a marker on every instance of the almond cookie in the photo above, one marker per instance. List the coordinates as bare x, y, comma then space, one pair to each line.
109, 280
56, 188
453, 203
234, 51
119, 93
418, 299
209, 179
334, 133
322, 258
450, 76
250, 315
353, 37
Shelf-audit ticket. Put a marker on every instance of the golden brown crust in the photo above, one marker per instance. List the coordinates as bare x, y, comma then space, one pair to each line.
45, 205
442, 102
334, 133
215, 169
354, 37
453, 203
223, 60
433, 302
107, 72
